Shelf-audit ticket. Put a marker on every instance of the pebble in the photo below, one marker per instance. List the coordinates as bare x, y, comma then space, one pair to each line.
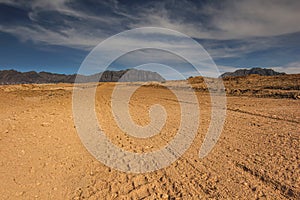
20, 193
32, 170
115, 195
45, 124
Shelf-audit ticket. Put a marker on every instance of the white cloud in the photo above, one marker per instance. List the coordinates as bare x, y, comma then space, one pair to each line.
228, 20
68, 37
290, 68
240, 19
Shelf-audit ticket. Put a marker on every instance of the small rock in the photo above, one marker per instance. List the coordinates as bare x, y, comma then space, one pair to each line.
115, 195
32, 170
20, 193
143, 193
45, 124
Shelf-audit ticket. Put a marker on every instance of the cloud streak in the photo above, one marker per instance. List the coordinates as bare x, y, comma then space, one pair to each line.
229, 29
228, 20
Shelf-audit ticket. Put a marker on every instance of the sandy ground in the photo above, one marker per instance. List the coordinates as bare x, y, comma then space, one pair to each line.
42, 157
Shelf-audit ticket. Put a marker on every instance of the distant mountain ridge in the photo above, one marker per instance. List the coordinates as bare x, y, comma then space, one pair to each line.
15, 77
245, 72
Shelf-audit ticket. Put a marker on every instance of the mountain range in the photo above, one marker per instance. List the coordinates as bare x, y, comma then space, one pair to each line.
16, 77
256, 70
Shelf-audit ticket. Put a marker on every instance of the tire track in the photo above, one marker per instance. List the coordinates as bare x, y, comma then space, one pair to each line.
261, 115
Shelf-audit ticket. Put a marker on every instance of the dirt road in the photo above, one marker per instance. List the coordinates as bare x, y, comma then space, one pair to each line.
42, 157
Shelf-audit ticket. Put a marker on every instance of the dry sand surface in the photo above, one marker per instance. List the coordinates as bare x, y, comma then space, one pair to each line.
42, 157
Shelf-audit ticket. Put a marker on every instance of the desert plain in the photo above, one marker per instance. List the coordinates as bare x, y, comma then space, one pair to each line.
256, 156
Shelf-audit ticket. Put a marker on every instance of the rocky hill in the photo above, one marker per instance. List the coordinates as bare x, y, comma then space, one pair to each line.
15, 77
245, 72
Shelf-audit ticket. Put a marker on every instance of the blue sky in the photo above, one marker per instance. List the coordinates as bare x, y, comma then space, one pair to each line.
57, 35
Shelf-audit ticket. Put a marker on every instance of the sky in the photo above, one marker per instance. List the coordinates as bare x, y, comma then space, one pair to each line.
56, 36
